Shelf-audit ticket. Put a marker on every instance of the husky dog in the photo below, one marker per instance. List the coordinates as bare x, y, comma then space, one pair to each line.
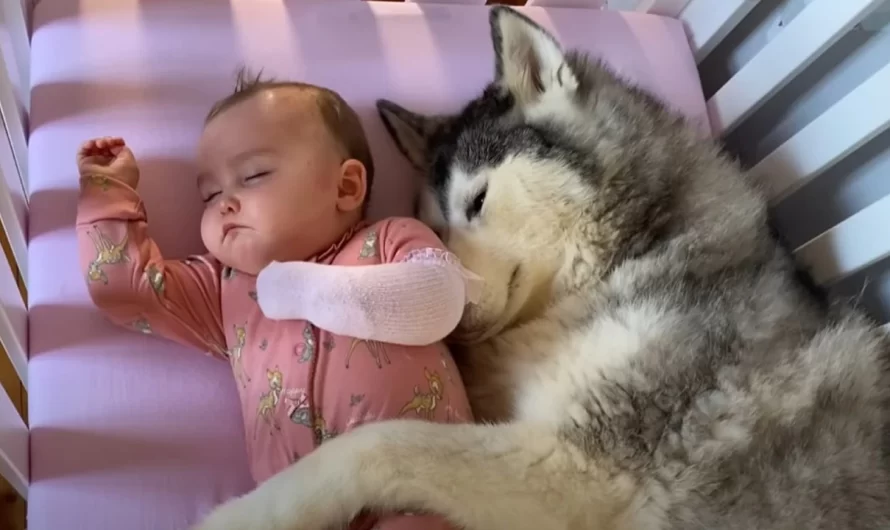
643, 357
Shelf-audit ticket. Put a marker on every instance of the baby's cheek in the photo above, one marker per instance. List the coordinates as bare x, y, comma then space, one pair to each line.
208, 228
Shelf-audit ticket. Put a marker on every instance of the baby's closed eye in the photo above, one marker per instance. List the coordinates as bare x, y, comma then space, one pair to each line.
257, 176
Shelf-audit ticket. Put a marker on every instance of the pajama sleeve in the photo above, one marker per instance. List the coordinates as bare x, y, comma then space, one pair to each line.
415, 297
130, 281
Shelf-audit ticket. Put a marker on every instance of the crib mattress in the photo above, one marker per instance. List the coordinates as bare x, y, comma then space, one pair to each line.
130, 431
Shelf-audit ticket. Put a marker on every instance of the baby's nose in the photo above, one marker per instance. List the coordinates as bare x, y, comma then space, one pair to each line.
229, 204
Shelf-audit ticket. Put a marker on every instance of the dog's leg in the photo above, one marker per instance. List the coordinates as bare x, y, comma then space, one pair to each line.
511, 476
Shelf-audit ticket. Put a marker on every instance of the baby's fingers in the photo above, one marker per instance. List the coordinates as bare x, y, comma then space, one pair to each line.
101, 145
86, 148
86, 152
110, 142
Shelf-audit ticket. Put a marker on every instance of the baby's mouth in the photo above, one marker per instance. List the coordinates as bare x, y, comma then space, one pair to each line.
228, 227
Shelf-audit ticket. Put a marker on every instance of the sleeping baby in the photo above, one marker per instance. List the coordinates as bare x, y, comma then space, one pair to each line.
327, 321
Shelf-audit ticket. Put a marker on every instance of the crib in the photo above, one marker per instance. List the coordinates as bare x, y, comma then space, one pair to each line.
105, 428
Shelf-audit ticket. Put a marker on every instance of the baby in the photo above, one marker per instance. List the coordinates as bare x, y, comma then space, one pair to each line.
284, 173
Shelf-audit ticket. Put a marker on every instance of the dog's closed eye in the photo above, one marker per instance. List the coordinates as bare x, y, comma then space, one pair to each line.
475, 207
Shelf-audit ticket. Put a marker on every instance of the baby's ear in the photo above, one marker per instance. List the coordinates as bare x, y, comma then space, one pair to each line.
353, 186
410, 131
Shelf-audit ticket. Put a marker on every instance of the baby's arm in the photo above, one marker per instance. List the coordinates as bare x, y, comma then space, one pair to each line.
416, 298
126, 275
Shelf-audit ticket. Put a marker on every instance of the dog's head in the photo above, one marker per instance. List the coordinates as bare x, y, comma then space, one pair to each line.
529, 184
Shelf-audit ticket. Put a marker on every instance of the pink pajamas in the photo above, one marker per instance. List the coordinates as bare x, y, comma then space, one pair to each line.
299, 385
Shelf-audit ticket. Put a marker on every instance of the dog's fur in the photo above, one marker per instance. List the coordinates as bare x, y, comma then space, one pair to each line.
644, 356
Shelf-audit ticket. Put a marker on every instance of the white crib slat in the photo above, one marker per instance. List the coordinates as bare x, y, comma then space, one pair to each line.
849, 124
855, 243
668, 8
818, 26
12, 18
13, 219
463, 2
709, 21
13, 323
13, 446
590, 4
625, 5
15, 130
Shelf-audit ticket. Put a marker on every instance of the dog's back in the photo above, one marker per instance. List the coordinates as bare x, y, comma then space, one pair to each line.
674, 342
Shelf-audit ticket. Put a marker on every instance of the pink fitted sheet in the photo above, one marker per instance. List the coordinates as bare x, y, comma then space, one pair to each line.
132, 432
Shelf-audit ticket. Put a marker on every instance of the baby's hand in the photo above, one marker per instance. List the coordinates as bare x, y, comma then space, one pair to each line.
109, 157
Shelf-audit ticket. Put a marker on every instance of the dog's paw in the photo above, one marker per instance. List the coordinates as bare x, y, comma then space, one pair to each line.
221, 518
320, 491
242, 513
273, 507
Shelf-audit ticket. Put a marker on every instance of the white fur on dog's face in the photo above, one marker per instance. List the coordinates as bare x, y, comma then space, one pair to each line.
516, 242
504, 208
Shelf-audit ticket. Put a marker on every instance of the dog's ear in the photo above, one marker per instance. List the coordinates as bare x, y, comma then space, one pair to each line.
411, 131
528, 59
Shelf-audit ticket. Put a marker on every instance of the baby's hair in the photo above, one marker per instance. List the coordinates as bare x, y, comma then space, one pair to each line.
340, 119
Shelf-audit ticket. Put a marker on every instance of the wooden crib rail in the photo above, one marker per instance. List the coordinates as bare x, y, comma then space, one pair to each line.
855, 119
13, 446
671, 8
17, 66
14, 104
808, 36
707, 22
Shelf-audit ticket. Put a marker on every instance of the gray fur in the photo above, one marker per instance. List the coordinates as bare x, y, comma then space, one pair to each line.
748, 349
644, 356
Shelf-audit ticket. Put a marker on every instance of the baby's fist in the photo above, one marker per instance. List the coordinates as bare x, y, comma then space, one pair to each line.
282, 290
108, 157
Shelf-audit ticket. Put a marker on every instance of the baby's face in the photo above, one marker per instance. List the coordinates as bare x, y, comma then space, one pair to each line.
269, 177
